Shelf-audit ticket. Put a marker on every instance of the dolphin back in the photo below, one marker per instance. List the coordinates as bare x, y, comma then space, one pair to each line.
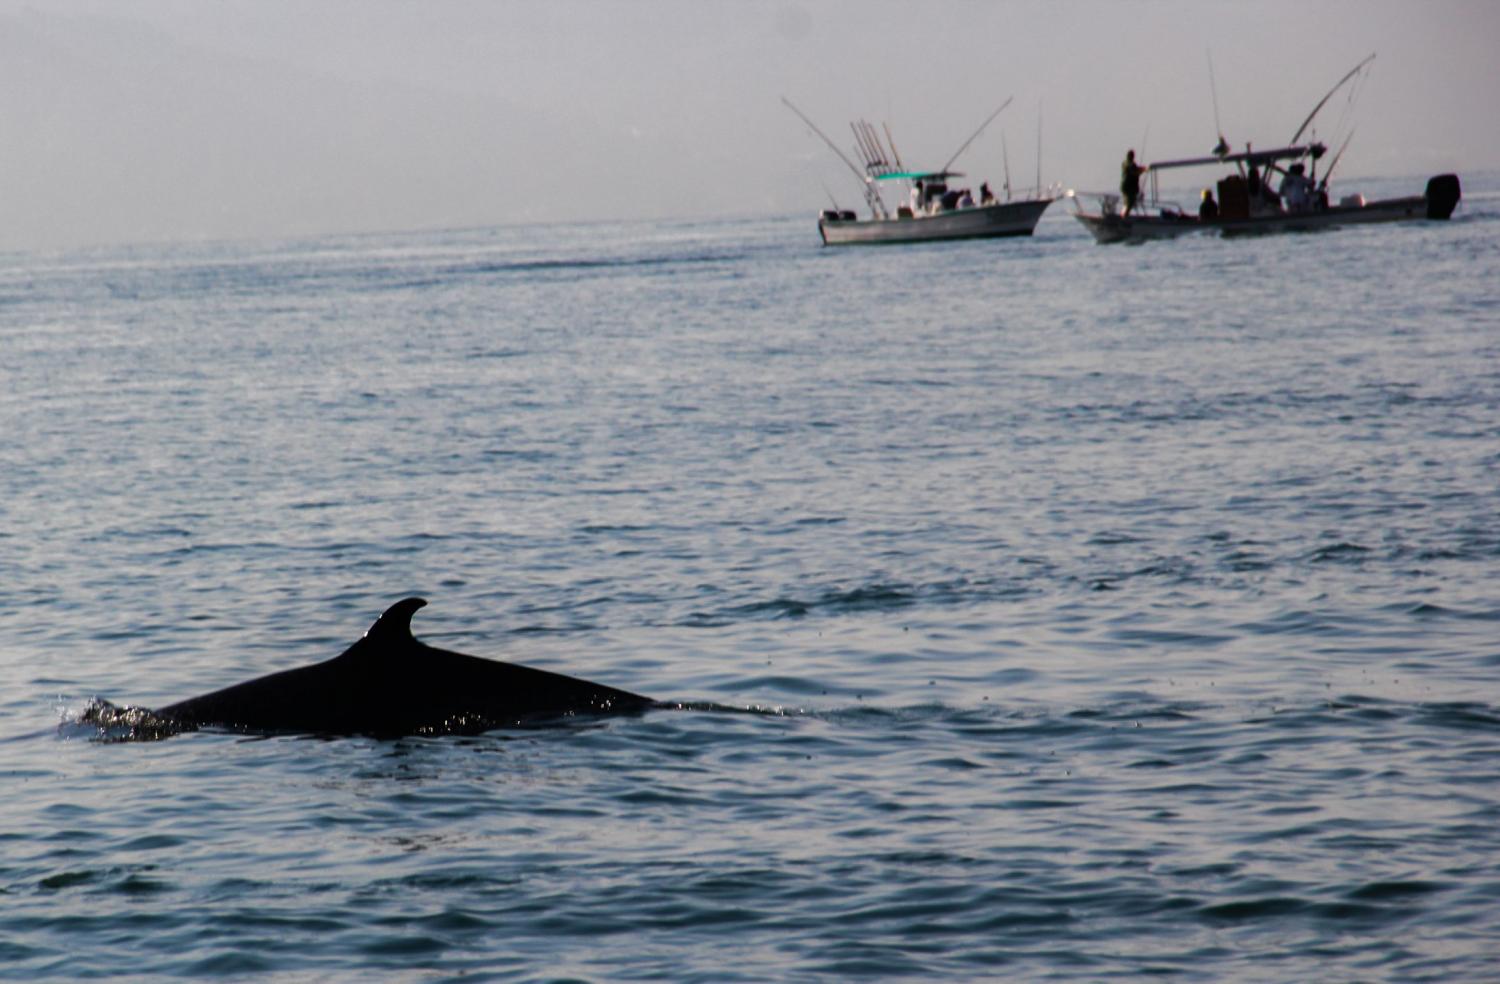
389, 684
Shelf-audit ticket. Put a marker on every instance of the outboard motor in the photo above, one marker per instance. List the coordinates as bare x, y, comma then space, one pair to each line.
1442, 195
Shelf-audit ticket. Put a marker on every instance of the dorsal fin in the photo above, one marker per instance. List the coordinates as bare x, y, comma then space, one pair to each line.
395, 625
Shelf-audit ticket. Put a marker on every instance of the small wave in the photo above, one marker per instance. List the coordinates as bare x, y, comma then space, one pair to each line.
519, 454
1294, 621
713, 707
147, 533
1460, 716
1163, 637
1373, 712
132, 880
1341, 552
875, 597
1247, 561
1275, 907
1428, 610
1135, 711
1382, 891
1110, 538
584, 264
497, 353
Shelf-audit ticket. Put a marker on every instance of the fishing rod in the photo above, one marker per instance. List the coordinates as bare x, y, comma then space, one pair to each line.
1334, 163
1150, 173
862, 147
831, 145
976, 134
1324, 101
872, 196
894, 152
870, 141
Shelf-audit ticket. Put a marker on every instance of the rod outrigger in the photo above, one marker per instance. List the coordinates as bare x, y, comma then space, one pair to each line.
987, 121
1324, 101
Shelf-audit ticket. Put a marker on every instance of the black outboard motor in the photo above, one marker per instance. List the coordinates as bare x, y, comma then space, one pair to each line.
1442, 195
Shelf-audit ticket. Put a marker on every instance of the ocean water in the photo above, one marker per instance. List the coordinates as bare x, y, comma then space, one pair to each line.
1110, 611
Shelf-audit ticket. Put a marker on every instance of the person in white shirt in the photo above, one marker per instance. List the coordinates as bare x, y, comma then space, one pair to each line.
1296, 190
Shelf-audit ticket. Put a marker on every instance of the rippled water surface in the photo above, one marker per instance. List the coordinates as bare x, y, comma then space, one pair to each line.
1117, 611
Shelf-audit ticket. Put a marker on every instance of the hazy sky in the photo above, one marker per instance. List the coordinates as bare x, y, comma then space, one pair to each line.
188, 119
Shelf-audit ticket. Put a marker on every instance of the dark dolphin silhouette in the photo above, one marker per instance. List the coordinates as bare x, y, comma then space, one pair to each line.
388, 684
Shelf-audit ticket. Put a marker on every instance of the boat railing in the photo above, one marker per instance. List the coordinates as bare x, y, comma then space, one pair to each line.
1108, 201
1111, 203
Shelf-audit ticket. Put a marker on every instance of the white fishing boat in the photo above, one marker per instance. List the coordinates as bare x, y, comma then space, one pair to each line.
1246, 202
931, 206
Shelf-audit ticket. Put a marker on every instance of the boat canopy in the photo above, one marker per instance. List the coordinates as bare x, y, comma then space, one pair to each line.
918, 175
1248, 157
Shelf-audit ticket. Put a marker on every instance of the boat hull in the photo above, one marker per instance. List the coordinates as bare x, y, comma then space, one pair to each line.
1113, 228
979, 222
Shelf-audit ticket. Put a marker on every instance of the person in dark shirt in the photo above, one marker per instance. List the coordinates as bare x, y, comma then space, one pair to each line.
1130, 181
1208, 209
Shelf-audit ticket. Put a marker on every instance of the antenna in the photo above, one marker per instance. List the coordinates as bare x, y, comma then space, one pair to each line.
1039, 149
1222, 147
1004, 150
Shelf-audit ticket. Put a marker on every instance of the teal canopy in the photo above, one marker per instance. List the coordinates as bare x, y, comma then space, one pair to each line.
918, 175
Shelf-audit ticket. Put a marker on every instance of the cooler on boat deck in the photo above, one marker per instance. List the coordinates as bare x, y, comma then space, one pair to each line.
1234, 198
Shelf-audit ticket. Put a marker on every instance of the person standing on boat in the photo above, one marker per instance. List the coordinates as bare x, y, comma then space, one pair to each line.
1263, 201
986, 197
1130, 181
1208, 210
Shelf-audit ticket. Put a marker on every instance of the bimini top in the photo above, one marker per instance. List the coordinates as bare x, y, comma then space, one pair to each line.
1248, 157
918, 175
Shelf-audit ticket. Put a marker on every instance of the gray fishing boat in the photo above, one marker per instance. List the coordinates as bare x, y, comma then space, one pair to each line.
1246, 206
1246, 202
